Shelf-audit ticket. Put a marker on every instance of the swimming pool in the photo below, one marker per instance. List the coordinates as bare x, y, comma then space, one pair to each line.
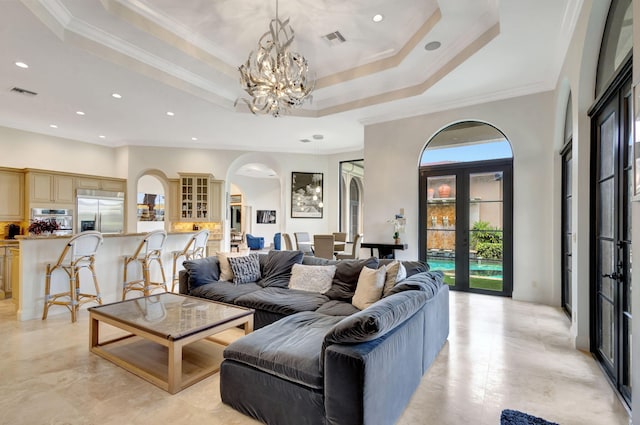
483, 268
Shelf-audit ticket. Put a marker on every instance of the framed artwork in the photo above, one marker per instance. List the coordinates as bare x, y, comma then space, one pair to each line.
266, 216
306, 195
235, 199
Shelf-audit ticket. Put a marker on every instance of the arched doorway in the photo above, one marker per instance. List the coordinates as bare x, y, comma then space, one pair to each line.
151, 205
466, 207
255, 200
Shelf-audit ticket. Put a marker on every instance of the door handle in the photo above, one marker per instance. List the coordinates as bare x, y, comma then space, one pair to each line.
614, 276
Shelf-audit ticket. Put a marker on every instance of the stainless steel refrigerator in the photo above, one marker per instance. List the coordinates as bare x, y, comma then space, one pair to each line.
100, 210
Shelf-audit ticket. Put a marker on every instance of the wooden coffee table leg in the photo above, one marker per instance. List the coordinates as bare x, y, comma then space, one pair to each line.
248, 326
93, 331
175, 367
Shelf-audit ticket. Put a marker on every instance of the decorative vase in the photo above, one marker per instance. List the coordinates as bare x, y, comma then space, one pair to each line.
444, 191
396, 241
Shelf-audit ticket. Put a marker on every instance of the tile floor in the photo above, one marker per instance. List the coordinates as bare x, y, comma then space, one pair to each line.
500, 354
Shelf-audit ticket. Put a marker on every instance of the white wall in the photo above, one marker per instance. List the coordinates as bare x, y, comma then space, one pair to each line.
21, 149
578, 77
30, 150
527, 122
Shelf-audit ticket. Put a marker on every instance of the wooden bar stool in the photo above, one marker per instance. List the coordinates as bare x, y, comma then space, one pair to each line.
149, 251
195, 248
79, 253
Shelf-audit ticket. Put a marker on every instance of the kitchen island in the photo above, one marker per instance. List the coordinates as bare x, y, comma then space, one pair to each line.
37, 251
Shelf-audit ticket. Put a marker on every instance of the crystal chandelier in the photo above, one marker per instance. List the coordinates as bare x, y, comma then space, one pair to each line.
274, 76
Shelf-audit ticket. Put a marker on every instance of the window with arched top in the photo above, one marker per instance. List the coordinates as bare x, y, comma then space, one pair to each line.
617, 43
354, 207
351, 197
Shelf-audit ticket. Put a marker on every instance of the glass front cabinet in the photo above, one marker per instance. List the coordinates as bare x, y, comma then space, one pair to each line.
194, 197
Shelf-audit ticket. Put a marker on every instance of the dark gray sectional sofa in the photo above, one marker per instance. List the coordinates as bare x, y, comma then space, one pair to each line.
315, 358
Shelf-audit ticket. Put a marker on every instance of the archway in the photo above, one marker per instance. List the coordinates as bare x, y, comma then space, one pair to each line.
466, 207
151, 203
255, 192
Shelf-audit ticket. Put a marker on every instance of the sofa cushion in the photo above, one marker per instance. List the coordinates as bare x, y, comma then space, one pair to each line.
346, 278
310, 260
429, 282
312, 278
369, 288
226, 273
202, 271
224, 291
282, 300
245, 268
378, 319
413, 267
276, 269
396, 272
289, 349
337, 308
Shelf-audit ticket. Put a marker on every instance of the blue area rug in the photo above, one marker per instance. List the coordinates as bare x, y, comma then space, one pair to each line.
513, 417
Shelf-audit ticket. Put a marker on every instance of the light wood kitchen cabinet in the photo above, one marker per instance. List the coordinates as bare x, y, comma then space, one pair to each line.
174, 200
194, 197
11, 196
15, 275
113, 185
50, 189
217, 201
213, 247
100, 184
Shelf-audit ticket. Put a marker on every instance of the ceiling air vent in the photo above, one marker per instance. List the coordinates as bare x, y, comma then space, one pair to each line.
334, 38
24, 91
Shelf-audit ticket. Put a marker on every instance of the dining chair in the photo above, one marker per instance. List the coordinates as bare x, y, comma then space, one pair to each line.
195, 248
355, 249
149, 252
288, 245
79, 253
323, 246
303, 240
340, 241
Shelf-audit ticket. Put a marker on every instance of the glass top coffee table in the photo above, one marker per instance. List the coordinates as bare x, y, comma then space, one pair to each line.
168, 338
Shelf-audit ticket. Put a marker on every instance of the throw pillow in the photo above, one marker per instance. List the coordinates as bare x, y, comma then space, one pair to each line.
395, 273
225, 268
245, 268
346, 277
202, 271
369, 288
311, 278
412, 267
276, 270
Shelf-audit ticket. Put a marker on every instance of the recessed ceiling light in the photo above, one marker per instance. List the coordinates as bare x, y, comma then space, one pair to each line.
434, 45
101, 136
53, 126
377, 18
170, 113
79, 112
194, 139
117, 95
22, 65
